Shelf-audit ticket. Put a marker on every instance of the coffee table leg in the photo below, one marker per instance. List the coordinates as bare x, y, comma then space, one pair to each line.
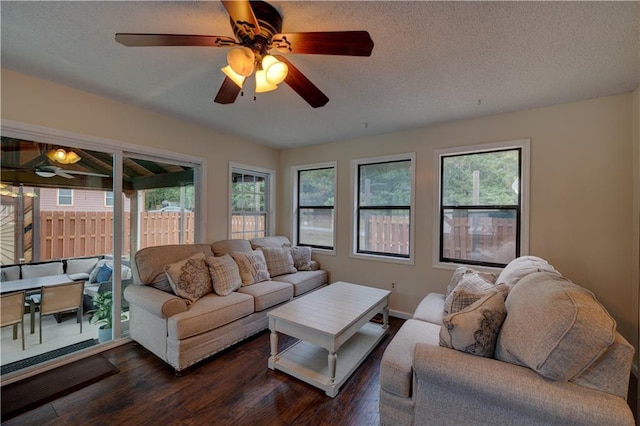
273, 338
385, 317
332, 366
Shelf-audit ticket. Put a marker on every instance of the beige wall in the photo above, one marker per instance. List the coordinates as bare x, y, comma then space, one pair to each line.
33, 101
581, 198
635, 258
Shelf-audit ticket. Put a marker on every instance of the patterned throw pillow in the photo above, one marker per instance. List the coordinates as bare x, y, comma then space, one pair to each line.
252, 266
189, 277
475, 329
461, 272
225, 275
279, 260
462, 298
470, 282
301, 258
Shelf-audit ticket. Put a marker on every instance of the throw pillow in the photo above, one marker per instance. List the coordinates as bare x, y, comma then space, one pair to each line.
190, 277
104, 273
555, 327
301, 258
461, 271
475, 329
252, 266
279, 260
522, 266
470, 282
225, 275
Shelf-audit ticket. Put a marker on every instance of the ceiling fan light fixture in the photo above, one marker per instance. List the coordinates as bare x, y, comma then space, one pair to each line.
275, 70
235, 77
242, 61
63, 157
262, 85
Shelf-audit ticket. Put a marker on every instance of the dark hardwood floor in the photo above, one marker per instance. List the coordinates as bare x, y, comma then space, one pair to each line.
234, 387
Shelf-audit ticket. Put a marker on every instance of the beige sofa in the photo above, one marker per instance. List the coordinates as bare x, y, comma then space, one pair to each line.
557, 358
183, 333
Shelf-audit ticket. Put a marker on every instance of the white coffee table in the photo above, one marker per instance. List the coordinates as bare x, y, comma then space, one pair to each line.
335, 332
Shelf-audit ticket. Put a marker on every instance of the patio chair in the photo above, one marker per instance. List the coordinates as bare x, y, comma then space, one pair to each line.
12, 312
60, 298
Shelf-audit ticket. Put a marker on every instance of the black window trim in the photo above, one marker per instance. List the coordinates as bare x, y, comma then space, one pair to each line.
517, 208
300, 207
359, 207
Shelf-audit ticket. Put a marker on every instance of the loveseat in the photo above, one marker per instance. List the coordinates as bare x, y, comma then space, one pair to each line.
184, 323
548, 354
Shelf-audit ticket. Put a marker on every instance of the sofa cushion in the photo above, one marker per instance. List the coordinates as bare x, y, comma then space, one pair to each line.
304, 281
461, 271
279, 260
42, 270
431, 309
521, 267
80, 266
475, 329
275, 241
125, 271
554, 327
149, 262
610, 372
190, 277
225, 276
223, 247
209, 312
11, 273
104, 273
301, 258
471, 287
396, 366
252, 266
268, 293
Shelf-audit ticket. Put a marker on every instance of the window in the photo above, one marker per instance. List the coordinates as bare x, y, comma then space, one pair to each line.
108, 199
250, 203
384, 200
65, 197
481, 207
315, 210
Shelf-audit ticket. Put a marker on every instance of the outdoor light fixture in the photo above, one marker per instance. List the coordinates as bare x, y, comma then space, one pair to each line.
63, 157
269, 71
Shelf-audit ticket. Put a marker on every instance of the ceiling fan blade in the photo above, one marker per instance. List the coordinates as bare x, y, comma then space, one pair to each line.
75, 172
242, 15
146, 40
228, 92
63, 174
303, 86
350, 43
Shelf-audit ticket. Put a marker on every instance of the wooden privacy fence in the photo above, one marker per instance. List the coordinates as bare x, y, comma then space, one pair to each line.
463, 238
65, 234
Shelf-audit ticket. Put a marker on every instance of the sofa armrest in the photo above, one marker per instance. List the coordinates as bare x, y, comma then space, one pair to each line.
155, 301
453, 387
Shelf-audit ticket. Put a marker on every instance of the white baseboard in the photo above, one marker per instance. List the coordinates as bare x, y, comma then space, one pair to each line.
400, 314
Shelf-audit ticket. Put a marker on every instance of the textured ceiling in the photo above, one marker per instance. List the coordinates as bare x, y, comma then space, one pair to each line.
432, 62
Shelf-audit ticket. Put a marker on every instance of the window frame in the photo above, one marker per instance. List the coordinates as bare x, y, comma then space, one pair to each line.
108, 199
270, 177
355, 217
296, 203
522, 215
69, 196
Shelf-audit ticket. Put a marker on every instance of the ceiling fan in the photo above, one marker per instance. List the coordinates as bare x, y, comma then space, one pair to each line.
258, 29
47, 171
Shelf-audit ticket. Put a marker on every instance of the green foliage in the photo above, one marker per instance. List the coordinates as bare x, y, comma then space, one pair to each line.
385, 184
317, 187
103, 303
497, 172
155, 197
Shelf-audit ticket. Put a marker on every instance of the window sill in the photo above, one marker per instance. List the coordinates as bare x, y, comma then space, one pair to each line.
381, 258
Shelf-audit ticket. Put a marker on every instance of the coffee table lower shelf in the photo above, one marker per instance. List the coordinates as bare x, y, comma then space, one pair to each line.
309, 363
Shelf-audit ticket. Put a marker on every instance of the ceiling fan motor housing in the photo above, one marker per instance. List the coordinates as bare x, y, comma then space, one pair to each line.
270, 23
